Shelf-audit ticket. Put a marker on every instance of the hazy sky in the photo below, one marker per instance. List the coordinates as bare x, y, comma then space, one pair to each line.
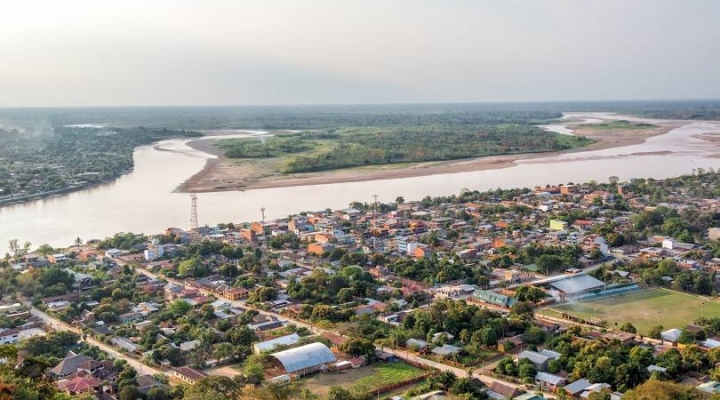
202, 52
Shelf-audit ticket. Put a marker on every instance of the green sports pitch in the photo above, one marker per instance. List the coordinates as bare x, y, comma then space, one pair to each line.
643, 309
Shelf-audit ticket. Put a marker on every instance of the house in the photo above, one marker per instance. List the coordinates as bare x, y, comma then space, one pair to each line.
446, 350
417, 344
187, 374
125, 344
358, 361
539, 360
68, 365
711, 387
270, 345
671, 335
508, 344
529, 396
501, 391
576, 388
549, 381
80, 384
189, 345
131, 317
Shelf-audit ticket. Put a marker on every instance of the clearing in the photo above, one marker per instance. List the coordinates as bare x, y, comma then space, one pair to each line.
365, 379
643, 309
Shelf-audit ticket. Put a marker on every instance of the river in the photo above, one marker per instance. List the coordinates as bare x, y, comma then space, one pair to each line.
143, 200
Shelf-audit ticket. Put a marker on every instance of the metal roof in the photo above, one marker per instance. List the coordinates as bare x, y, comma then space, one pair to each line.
271, 344
577, 284
304, 357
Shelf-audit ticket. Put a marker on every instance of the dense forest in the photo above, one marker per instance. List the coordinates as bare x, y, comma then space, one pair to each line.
58, 159
325, 116
358, 147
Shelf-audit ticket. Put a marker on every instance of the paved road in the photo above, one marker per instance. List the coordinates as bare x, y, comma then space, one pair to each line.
404, 355
62, 326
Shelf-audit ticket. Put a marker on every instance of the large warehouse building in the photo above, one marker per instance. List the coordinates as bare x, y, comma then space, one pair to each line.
577, 285
306, 359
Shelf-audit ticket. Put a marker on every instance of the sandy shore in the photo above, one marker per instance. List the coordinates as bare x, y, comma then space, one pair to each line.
223, 175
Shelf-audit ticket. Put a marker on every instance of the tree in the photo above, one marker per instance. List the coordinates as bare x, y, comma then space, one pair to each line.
655, 332
358, 347
628, 327
254, 369
192, 267
662, 390
130, 392
179, 307
45, 250
14, 246
217, 384
686, 336
158, 393
489, 336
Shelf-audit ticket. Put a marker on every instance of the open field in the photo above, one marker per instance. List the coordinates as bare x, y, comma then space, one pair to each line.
643, 309
365, 379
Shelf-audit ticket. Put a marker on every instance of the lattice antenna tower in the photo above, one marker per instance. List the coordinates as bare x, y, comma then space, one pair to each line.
375, 214
193, 211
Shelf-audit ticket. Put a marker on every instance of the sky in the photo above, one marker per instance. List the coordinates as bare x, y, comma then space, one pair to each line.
235, 52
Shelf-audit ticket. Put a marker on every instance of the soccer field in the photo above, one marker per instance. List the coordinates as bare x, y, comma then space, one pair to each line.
643, 309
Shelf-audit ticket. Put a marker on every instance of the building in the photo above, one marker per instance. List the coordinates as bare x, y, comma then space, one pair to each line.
576, 388
500, 391
68, 365
557, 225
490, 297
671, 335
540, 361
549, 381
711, 387
187, 374
270, 345
577, 285
306, 359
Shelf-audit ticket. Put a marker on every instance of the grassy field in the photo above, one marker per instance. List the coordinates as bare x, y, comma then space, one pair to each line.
364, 379
613, 125
643, 309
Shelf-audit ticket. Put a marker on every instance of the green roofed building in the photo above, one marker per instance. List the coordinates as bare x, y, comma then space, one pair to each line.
490, 297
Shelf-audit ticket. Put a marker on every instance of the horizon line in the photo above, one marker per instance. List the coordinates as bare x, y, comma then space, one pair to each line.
268, 105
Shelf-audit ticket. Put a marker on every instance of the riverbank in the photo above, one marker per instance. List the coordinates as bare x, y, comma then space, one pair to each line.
221, 174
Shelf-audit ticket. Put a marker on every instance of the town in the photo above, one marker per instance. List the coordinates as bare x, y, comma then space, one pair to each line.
597, 290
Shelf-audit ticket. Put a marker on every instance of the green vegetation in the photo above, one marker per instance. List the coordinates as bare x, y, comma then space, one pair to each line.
644, 309
615, 125
362, 146
385, 374
60, 158
382, 146
264, 147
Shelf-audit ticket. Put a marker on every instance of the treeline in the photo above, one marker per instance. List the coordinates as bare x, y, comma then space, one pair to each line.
264, 148
60, 158
431, 143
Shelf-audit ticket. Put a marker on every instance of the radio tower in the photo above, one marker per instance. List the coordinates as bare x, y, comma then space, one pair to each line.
193, 211
262, 210
375, 232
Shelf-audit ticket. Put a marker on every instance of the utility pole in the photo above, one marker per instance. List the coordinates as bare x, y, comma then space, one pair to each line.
193, 211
